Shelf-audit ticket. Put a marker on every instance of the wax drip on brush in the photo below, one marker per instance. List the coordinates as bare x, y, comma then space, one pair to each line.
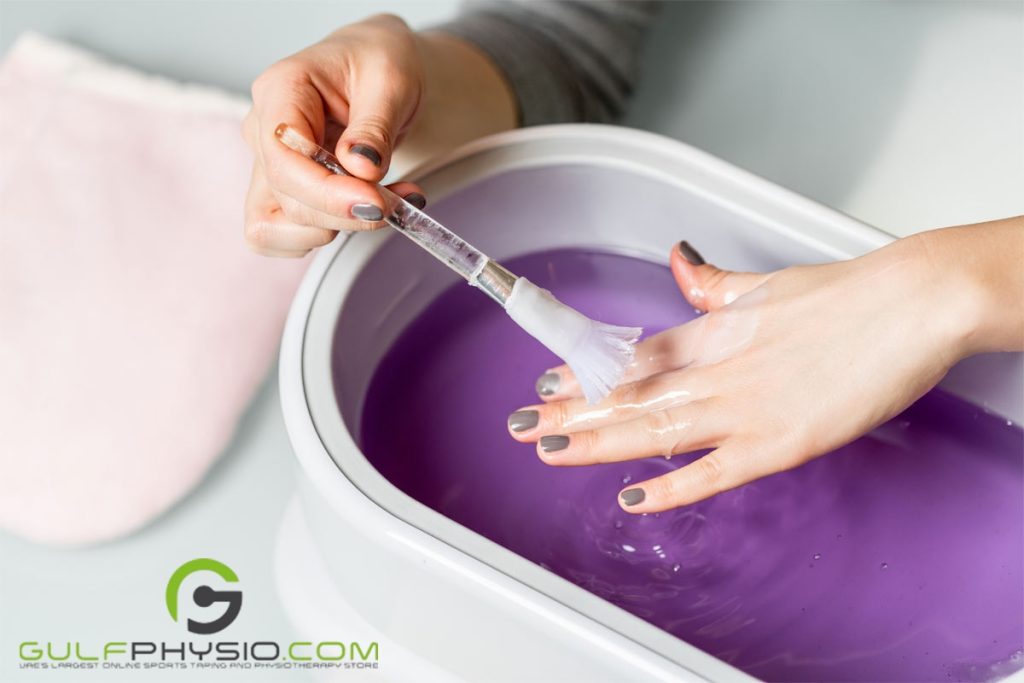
596, 352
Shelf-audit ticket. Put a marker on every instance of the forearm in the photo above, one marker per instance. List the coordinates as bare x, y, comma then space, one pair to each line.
466, 97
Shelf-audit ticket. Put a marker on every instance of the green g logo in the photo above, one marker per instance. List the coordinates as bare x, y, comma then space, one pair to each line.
204, 596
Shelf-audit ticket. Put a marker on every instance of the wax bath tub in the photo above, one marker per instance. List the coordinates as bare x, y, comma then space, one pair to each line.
359, 558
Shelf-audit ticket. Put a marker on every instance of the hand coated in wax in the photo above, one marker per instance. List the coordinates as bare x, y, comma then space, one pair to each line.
790, 365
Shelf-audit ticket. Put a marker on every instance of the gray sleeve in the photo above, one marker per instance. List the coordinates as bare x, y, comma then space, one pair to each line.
566, 61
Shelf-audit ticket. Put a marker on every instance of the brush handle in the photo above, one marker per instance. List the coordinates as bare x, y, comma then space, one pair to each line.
472, 264
442, 243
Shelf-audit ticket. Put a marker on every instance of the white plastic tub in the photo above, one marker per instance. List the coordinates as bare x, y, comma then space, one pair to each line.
357, 553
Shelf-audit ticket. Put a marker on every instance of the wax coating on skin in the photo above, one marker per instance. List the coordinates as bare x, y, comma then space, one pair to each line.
625, 401
898, 557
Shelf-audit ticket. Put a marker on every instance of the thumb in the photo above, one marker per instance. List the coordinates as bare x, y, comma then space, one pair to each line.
705, 286
377, 115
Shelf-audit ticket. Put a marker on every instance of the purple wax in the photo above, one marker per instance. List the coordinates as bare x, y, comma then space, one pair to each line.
897, 558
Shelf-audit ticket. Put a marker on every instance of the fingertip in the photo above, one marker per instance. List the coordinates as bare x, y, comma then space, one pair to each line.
689, 254
359, 200
363, 160
552, 449
682, 270
632, 500
410, 192
361, 167
366, 151
686, 265
557, 384
367, 212
523, 423
416, 199
706, 286
547, 385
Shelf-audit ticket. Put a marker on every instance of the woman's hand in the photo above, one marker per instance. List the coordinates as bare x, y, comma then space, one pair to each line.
787, 366
359, 92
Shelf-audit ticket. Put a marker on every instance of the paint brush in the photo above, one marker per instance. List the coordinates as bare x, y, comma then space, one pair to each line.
596, 352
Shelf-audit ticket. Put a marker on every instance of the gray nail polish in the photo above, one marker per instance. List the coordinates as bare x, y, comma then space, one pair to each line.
521, 420
548, 383
367, 212
557, 442
691, 254
366, 151
416, 199
632, 496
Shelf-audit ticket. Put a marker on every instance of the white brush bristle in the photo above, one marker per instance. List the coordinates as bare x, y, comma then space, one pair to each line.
596, 352
600, 359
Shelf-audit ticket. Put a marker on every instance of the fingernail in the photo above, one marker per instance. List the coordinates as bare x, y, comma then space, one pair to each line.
367, 152
367, 212
632, 496
557, 442
547, 384
521, 420
691, 255
416, 199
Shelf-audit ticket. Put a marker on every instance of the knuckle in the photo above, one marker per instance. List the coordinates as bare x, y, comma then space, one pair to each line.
258, 234
556, 415
385, 18
661, 489
626, 400
715, 281
666, 432
586, 443
659, 431
658, 422
263, 82
376, 128
284, 69
387, 22
708, 471
689, 434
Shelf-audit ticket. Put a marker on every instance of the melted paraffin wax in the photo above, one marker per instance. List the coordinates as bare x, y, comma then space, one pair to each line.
897, 558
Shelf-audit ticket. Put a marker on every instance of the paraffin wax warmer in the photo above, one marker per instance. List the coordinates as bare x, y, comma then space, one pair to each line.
359, 557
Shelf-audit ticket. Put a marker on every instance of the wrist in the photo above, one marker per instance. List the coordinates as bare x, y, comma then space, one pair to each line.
977, 269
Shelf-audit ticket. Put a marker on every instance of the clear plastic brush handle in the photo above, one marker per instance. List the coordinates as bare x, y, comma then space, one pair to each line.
445, 245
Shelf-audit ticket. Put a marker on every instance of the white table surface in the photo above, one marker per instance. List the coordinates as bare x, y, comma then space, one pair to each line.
905, 115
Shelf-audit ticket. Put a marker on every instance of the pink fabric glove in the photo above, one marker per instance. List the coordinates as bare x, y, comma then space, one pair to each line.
134, 324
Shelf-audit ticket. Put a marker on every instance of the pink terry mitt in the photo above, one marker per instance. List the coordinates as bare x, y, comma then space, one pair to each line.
134, 324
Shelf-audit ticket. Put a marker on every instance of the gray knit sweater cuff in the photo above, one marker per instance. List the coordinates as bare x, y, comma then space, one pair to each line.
565, 61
